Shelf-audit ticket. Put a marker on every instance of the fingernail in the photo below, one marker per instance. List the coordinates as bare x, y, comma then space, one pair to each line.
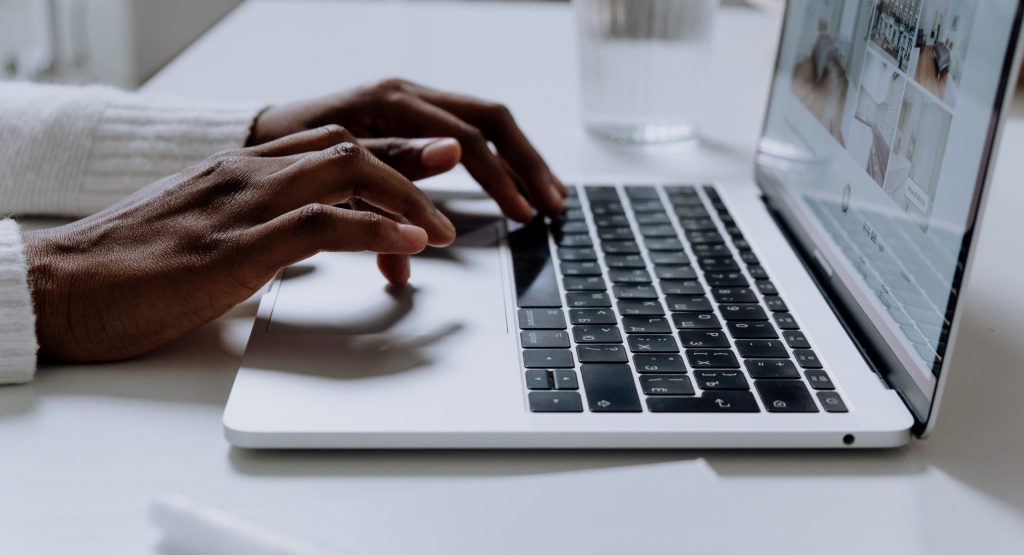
413, 235
440, 152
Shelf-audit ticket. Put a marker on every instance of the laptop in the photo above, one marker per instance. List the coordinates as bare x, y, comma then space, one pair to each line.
815, 306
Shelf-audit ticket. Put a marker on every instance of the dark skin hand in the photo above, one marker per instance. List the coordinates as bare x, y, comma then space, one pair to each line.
187, 248
513, 173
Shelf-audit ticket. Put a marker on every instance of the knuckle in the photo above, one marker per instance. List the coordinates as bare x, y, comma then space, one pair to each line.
472, 135
392, 84
311, 219
334, 131
499, 112
346, 151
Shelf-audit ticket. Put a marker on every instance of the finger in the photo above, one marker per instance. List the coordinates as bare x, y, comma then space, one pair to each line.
416, 158
395, 267
347, 171
417, 117
497, 123
314, 228
306, 141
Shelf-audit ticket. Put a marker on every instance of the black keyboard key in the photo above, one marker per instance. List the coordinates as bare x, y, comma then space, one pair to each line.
644, 192
645, 324
630, 307
588, 300
670, 258
596, 334
831, 401
757, 272
610, 388
548, 358
565, 379
697, 224
652, 344
761, 348
687, 211
697, 237
666, 384
726, 279
734, 295
606, 208
771, 369
675, 272
785, 321
712, 250
663, 244
732, 312
576, 254
796, 339
721, 379
775, 303
536, 283
574, 226
601, 353
620, 247
584, 283
621, 275
574, 240
695, 321
601, 192
819, 379
703, 339
544, 339
709, 401
555, 401
718, 264
573, 215
591, 316
615, 234
718, 358
652, 218
681, 303
634, 291
766, 287
751, 330
625, 261
648, 205
681, 287
541, 319
748, 258
582, 268
538, 379
611, 220
657, 231
741, 244
785, 396
659, 364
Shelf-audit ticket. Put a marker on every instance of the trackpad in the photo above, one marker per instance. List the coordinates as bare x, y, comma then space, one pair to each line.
458, 289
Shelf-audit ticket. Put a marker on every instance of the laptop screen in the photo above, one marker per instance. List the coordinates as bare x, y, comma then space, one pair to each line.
875, 148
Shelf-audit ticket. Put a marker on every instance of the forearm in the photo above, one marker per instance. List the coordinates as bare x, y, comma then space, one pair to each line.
72, 151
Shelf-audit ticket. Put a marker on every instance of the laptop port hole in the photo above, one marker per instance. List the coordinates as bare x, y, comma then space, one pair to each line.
848, 439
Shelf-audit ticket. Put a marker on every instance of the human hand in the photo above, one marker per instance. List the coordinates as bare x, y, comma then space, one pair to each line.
184, 250
515, 175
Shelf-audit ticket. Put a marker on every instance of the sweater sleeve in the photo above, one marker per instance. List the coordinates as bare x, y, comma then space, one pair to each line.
73, 151
17, 322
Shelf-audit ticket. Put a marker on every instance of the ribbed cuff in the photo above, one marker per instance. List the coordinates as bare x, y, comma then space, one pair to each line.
140, 139
17, 321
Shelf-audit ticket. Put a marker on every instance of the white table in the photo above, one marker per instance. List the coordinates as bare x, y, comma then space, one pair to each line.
85, 448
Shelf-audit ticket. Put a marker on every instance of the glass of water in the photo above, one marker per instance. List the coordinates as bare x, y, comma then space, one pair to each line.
643, 67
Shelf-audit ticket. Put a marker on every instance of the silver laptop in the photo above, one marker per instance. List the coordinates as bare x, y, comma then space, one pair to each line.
815, 306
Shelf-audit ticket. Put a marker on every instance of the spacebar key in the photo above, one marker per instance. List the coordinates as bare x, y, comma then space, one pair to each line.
710, 401
610, 388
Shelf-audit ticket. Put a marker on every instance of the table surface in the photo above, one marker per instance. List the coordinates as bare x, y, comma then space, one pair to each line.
85, 448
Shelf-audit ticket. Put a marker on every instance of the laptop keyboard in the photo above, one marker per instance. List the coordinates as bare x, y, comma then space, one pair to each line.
649, 298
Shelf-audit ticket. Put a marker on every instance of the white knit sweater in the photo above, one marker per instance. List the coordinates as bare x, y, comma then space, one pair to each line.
72, 151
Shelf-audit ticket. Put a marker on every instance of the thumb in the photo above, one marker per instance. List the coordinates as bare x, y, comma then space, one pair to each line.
416, 158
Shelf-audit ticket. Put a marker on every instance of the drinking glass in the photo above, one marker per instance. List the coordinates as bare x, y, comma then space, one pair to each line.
644, 67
